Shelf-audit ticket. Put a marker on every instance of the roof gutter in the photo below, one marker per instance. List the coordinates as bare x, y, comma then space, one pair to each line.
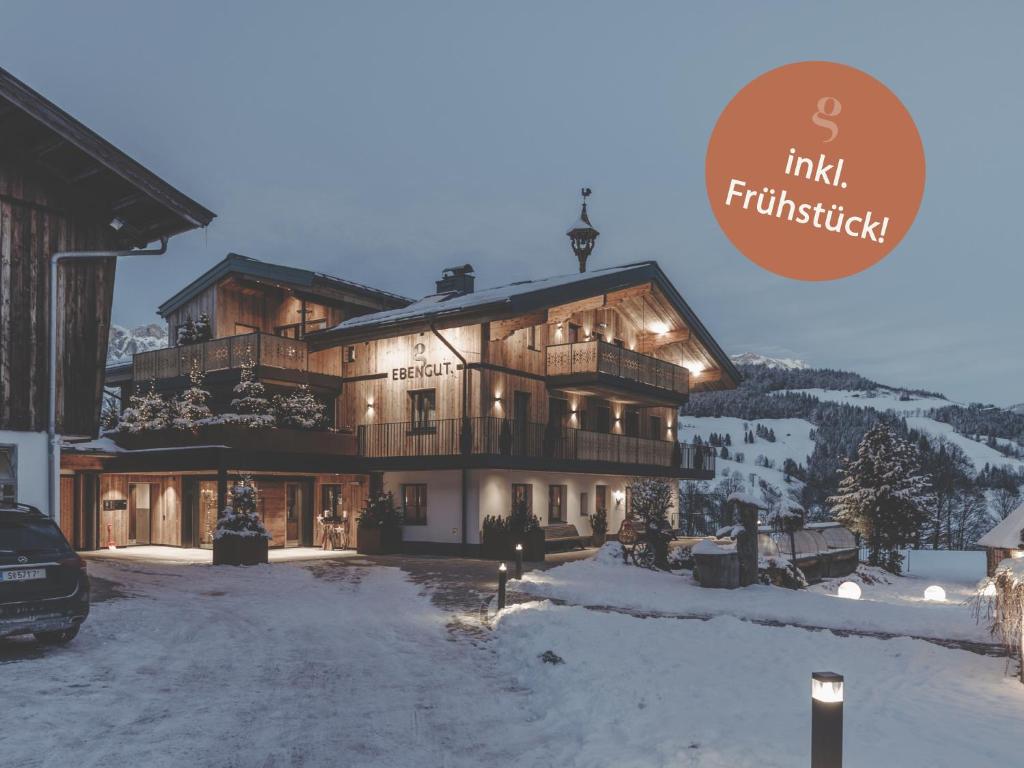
53, 458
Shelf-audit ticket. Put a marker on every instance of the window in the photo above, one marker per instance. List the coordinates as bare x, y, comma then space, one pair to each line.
556, 504
523, 492
604, 419
350, 353
531, 337
574, 333
632, 422
656, 427
521, 407
424, 409
8, 474
601, 498
414, 504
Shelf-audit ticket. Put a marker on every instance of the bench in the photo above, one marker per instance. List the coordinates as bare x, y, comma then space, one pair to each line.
563, 533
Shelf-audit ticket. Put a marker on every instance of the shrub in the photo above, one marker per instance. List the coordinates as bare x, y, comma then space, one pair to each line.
380, 512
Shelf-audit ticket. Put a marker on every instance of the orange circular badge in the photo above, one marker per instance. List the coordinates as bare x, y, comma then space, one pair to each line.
815, 171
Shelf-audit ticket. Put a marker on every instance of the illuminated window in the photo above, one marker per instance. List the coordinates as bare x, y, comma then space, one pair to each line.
424, 409
414, 504
556, 504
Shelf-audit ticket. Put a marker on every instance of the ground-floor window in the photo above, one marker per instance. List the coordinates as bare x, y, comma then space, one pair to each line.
556, 504
8, 474
522, 493
414, 504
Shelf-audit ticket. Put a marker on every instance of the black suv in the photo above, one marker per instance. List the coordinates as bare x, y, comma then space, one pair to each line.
44, 590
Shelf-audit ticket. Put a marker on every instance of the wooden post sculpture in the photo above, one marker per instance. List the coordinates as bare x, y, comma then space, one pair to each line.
746, 542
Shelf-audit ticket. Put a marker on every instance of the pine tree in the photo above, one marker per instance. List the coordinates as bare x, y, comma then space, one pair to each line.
240, 517
191, 407
187, 332
146, 411
884, 495
250, 401
300, 410
202, 329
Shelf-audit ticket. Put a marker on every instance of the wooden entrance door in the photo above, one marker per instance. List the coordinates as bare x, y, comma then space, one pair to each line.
141, 497
294, 505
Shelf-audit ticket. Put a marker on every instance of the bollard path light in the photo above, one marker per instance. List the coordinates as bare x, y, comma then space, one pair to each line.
502, 581
826, 720
519, 561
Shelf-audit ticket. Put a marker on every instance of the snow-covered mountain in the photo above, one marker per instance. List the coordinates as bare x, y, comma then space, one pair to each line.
784, 363
125, 342
790, 426
1018, 408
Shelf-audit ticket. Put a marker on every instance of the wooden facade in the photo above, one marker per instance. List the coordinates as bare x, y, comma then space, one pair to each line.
38, 217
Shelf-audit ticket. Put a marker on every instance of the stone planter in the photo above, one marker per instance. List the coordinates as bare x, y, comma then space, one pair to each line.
598, 539
381, 540
720, 571
240, 550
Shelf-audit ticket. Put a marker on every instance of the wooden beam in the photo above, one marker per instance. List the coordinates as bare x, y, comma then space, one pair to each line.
563, 312
614, 298
502, 329
652, 341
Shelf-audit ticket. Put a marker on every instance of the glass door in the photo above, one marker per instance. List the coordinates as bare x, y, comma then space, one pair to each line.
293, 513
208, 513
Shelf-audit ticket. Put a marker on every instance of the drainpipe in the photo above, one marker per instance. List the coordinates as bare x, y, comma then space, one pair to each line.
465, 435
53, 460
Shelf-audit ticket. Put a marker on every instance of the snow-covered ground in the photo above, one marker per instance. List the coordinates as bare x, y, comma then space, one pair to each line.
272, 666
792, 441
897, 608
979, 453
882, 399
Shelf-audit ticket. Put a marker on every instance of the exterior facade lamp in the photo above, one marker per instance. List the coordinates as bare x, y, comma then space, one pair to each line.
618, 495
826, 720
582, 236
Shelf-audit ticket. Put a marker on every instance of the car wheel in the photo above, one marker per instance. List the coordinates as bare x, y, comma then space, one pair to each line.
60, 637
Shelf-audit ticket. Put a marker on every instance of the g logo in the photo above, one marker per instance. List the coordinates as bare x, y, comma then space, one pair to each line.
827, 110
420, 349
22, 559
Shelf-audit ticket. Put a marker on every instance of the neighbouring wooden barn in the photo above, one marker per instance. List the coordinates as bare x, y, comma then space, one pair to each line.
63, 187
1004, 541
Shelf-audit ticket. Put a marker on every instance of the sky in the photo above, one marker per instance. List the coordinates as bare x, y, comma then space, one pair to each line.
383, 141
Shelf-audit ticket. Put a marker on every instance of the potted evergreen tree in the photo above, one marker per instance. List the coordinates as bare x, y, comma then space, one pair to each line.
380, 527
598, 526
240, 537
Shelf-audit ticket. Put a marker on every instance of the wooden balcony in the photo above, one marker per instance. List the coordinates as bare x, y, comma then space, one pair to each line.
274, 357
608, 370
507, 443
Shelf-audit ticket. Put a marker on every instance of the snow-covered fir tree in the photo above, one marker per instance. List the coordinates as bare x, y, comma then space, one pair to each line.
146, 411
250, 402
884, 495
202, 330
300, 410
191, 407
240, 517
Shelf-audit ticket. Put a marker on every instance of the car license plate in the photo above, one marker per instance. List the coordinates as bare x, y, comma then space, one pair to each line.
23, 574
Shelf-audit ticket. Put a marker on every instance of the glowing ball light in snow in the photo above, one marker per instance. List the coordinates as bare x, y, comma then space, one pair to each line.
936, 593
850, 590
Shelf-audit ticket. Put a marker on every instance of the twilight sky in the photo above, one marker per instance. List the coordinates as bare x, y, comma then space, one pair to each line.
383, 141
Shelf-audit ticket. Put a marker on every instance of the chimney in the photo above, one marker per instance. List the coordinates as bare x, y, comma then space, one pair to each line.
457, 280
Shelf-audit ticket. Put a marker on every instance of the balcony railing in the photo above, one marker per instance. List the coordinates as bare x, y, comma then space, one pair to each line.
491, 436
600, 357
229, 352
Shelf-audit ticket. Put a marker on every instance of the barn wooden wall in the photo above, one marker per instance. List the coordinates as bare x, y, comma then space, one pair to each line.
37, 218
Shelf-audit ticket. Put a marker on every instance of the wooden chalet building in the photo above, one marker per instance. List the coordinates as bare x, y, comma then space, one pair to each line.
559, 391
63, 188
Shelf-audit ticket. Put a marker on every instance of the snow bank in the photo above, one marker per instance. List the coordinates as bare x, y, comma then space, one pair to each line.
897, 608
635, 693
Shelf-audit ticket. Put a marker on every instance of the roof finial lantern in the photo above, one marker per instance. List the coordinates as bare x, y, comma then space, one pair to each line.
583, 235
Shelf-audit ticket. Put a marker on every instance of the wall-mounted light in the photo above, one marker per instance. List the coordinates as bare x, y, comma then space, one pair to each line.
659, 327
618, 495
369, 404
497, 397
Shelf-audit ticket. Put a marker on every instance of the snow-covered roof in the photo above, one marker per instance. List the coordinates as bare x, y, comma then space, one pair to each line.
1007, 534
